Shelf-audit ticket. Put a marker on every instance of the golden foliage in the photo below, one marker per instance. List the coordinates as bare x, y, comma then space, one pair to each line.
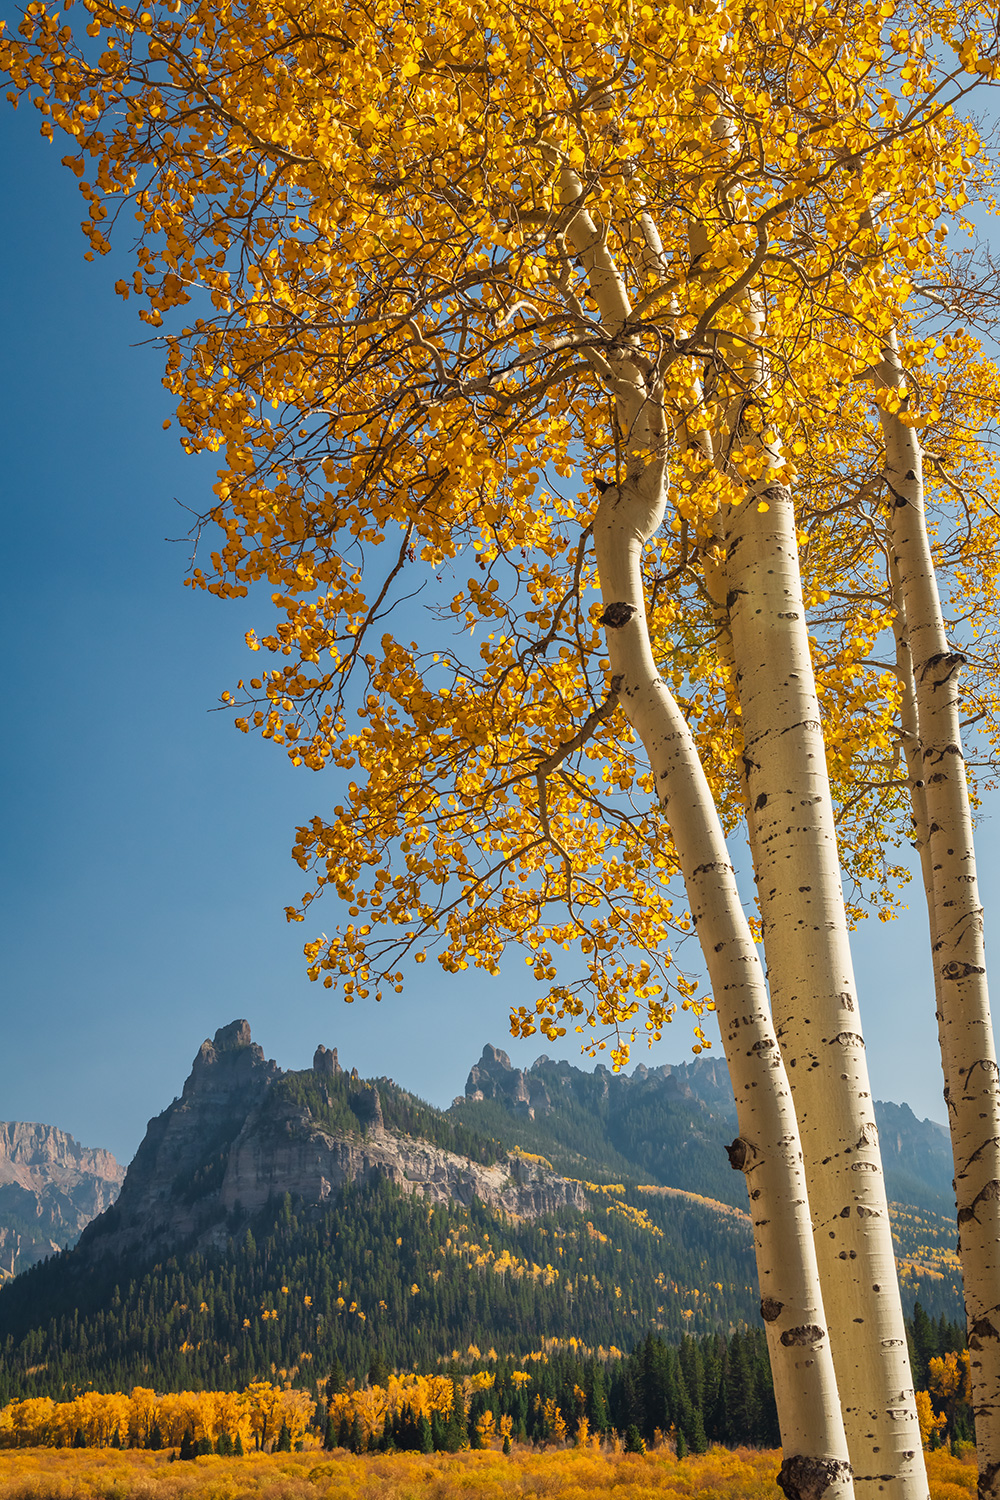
930, 1422
402, 367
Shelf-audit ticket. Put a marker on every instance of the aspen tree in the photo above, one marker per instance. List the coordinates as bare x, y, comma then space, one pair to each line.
930, 668
767, 1149
813, 994
444, 296
793, 843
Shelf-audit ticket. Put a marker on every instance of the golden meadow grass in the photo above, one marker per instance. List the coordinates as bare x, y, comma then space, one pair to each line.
564, 1474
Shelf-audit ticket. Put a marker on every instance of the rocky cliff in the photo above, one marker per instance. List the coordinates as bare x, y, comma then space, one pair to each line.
243, 1133
670, 1125
531, 1092
50, 1188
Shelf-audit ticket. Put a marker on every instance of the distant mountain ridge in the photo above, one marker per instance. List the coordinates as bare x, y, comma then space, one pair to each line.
271, 1219
51, 1187
672, 1123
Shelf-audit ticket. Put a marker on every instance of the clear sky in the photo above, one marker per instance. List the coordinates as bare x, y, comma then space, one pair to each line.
147, 844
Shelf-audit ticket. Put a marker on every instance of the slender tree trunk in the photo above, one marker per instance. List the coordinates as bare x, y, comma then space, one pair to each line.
965, 1028
815, 1464
914, 766
767, 1149
813, 993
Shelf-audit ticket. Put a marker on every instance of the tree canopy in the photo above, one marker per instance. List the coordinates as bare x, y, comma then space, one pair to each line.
417, 384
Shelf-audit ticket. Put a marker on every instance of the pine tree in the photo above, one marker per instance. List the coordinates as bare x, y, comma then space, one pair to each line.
337, 1381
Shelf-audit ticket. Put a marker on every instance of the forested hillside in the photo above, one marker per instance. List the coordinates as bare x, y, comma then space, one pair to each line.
382, 1269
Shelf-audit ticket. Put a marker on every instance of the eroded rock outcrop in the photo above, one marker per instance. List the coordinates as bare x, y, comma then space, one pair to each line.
325, 1061
494, 1078
294, 1155
179, 1166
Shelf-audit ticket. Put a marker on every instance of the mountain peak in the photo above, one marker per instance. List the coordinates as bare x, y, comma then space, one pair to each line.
228, 1061
234, 1037
493, 1058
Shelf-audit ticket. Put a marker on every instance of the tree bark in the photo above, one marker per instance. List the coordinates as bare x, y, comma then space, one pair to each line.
939, 791
767, 1149
813, 994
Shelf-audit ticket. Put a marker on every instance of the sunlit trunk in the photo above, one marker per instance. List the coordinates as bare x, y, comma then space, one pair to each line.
938, 787
767, 1150
816, 1464
813, 993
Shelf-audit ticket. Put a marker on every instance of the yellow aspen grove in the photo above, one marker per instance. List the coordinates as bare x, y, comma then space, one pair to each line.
931, 666
426, 282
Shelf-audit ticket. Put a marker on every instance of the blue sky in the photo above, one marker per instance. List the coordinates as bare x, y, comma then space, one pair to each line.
147, 850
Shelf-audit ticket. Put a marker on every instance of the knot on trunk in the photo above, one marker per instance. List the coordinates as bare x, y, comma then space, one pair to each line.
985, 1195
956, 970
770, 1308
741, 1154
981, 1329
987, 1477
803, 1478
617, 615
848, 1039
775, 494
943, 666
808, 1333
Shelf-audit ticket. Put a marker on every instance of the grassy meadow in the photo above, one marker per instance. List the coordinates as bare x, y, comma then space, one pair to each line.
555, 1474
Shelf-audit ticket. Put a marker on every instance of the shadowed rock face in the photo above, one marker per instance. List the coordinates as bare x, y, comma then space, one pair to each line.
494, 1078
50, 1188
531, 1091
232, 1141
325, 1061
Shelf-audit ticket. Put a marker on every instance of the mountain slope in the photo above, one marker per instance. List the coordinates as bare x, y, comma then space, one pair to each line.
280, 1221
669, 1125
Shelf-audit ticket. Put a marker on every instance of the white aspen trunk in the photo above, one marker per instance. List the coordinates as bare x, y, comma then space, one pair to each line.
815, 1460
965, 1027
813, 993
914, 765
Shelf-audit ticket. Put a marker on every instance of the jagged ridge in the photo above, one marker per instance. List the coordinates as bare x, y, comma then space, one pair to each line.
244, 1132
